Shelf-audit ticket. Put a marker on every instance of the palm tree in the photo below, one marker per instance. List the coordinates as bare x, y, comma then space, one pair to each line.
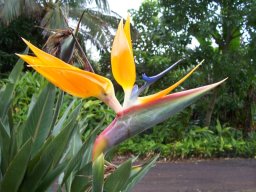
97, 22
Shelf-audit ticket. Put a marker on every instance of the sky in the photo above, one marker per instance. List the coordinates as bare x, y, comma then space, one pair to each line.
121, 6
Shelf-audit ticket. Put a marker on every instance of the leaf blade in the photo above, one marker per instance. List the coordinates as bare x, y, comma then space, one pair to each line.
17, 168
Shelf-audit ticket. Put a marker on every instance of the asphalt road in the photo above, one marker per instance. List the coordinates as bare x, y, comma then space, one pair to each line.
224, 175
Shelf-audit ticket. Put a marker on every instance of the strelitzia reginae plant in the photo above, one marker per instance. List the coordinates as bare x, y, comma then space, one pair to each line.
137, 113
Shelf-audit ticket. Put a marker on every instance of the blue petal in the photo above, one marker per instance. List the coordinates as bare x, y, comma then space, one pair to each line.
151, 80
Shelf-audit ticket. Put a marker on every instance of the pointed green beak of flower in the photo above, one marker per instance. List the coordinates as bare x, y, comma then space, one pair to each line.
71, 79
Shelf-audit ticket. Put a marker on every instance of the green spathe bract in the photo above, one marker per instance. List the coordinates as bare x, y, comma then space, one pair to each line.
139, 118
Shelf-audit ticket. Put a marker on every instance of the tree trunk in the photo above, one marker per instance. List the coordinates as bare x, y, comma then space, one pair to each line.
210, 109
248, 111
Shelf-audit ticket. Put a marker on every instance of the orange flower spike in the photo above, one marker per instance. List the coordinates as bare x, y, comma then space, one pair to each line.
122, 62
48, 59
70, 79
164, 92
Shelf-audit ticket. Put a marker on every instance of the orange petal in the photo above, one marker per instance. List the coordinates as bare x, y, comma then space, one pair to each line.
127, 31
168, 90
122, 62
72, 80
48, 59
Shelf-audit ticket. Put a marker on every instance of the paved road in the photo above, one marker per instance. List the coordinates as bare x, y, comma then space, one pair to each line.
233, 175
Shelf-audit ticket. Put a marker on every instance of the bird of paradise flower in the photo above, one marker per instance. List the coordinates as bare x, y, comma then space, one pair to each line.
136, 114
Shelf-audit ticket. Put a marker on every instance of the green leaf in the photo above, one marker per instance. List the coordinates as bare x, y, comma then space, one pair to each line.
57, 108
62, 120
4, 146
82, 179
75, 163
51, 155
117, 180
74, 148
90, 140
67, 49
40, 119
98, 174
17, 168
83, 156
6, 94
13, 148
134, 179
51, 177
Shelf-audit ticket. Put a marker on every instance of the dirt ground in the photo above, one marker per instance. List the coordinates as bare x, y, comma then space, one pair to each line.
221, 175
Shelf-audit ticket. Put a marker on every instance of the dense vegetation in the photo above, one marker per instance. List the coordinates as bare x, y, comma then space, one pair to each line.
225, 32
174, 139
222, 123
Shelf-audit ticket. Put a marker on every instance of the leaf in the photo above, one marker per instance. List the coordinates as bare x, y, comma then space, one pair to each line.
17, 168
82, 157
57, 108
98, 174
5, 146
13, 148
39, 122
67, 49
62, 120
74, 147
117, 180
90, 140
51, 177
82, 179
74, 164
138, 176
51, 155
6, 94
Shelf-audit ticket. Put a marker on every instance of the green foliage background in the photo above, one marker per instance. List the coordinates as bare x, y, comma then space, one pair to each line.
165, 29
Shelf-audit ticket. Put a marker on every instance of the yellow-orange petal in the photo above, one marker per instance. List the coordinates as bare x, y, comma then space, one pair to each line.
122, 62
73, 81
168, 90
48, 59
127, 31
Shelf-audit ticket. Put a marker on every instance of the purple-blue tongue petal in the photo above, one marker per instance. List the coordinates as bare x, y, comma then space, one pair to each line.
150, 80
141, 117
153, 79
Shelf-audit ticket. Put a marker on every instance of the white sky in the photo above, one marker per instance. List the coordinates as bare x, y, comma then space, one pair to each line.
121, 6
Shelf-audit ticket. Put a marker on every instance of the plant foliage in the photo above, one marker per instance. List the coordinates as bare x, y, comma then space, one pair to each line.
48, 145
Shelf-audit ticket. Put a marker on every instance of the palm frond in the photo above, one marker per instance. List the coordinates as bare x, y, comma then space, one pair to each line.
55, 17
97, 27
11, 9
101, 4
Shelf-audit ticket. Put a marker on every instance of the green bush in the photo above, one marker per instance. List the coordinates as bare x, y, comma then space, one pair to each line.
195, 142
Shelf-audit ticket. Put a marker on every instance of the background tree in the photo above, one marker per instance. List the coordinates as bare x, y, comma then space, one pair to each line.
52, 15
224, 30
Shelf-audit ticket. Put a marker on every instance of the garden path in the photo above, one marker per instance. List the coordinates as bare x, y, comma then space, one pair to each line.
221, 175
